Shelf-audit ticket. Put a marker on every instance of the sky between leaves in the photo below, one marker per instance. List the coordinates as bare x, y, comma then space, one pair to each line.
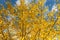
49, 3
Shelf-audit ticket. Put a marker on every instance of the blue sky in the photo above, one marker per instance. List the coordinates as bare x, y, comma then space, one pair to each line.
48, 3
3, 1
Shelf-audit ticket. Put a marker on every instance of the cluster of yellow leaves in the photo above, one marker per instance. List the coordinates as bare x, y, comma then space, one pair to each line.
31, 24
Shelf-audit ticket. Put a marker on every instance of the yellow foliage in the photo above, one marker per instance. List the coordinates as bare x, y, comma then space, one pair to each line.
28, 22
